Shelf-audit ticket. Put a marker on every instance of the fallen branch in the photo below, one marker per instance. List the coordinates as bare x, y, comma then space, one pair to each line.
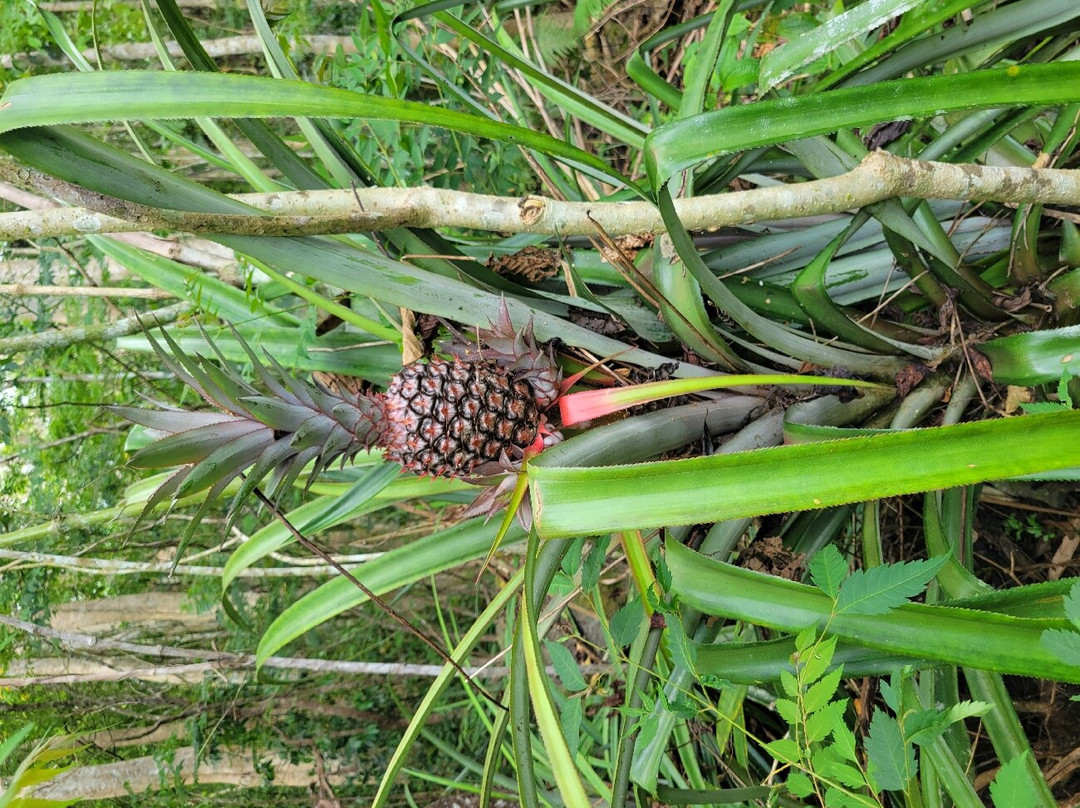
41, 290
880, 176
216, 48
92, 333
227, 766
114, 566
216, 661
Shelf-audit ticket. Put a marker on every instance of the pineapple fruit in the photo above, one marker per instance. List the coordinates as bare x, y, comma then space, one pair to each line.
474, 415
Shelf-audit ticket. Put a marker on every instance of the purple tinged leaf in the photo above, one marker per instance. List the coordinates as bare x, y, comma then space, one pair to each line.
274, 457
225, 462
193, 445
170, 420
277, 414
166, 489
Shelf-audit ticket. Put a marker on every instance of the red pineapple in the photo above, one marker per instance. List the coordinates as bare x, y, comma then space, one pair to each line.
474, 415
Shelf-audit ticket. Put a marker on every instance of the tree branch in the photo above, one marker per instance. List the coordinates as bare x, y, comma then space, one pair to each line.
114, 566
216, 48
41, 290
92, 333
216, 661
880, 176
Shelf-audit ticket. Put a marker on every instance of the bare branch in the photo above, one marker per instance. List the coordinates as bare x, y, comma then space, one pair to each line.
216, 48
235, 767
115, 566
91, 333
216, 661
41, 290
880, 176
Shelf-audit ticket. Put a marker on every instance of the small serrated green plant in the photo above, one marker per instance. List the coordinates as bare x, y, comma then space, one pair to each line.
907, 726
1065, 643
1029, 529
821, 748
1064, 401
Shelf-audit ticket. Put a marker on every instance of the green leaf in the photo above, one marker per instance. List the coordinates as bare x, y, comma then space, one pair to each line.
805, 640
964, 636
570, 501
496, 609
570, 718
566, 773
799, 784
1011, 787
820, 724
1063, 390
781, 63
891, 762
828, 569
427, 556
789, 683
968, 709
186, 282
843, 740
566, 667
828, 764
683, 652
890, 695
1065, 645
626, 623
1034, 357
594, 562
784, 750
819, 694
64, 98
676, 146
1072, 605
881, 589
12, 741
924, 726
788, 710
66, 153
816, 660
663, 574
321, 513
835, 798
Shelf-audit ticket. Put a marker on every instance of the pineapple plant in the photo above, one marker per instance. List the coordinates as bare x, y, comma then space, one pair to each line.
477, 414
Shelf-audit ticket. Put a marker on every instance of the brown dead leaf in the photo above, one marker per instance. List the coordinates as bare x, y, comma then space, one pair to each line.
532, 263
909, 377
411, 348
1015, 396
770, 556
981, 365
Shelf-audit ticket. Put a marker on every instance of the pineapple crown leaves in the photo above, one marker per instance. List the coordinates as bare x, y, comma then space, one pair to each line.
516, 351
276, 431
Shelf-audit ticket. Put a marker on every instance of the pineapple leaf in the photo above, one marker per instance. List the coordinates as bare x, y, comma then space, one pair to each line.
226, 461
169, 420
192, 445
